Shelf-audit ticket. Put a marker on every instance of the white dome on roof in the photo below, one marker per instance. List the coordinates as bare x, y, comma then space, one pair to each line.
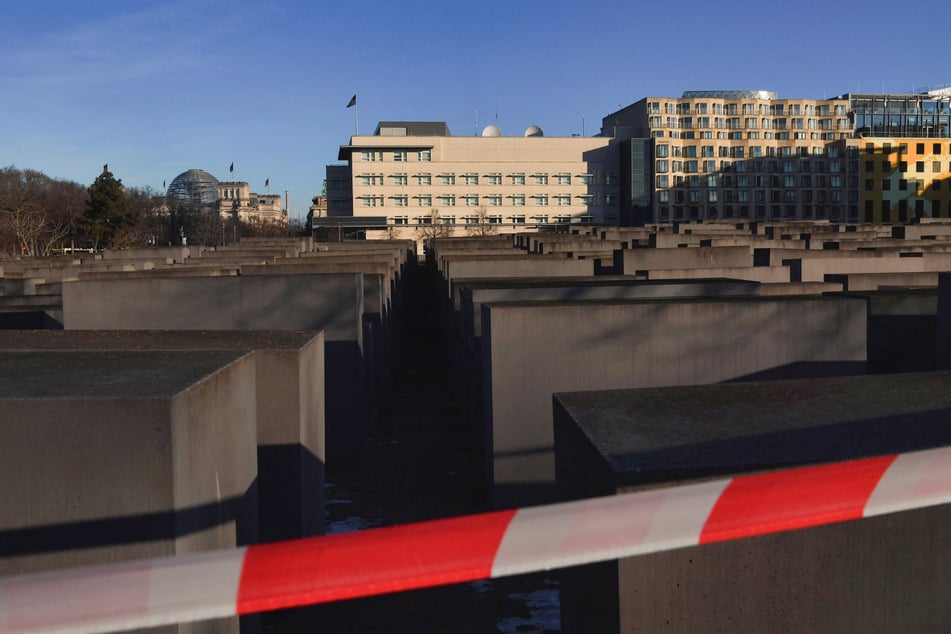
491, 130
534, 130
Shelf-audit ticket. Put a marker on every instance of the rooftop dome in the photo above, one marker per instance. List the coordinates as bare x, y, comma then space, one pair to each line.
534, 130
194, 186
491, 130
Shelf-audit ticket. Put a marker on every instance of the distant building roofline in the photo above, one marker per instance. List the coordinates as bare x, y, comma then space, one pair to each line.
729, 94
412, 128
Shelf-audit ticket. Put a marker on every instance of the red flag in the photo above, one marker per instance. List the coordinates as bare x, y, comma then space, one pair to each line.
352, 102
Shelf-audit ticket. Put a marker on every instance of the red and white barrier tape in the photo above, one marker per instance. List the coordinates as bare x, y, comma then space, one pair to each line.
302, 572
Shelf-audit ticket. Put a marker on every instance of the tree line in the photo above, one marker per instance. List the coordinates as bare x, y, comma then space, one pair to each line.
41, 216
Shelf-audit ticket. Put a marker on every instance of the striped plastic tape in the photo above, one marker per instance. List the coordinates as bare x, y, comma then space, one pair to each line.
301, 572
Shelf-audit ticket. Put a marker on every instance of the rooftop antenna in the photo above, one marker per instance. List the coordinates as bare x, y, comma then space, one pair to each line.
582, 125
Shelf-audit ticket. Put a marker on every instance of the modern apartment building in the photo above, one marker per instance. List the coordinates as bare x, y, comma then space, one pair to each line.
737, 154
411, 175
748, 154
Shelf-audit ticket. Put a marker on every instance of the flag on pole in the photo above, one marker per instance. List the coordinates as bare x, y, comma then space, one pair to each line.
231, 169
352, 102
164, 186
267, 182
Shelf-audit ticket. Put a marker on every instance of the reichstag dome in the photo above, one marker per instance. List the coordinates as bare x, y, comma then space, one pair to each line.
196, 187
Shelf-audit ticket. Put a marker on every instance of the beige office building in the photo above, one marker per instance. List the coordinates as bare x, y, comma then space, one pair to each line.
408, 176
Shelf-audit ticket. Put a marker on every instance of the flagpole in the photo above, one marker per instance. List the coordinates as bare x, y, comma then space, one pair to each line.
356, 119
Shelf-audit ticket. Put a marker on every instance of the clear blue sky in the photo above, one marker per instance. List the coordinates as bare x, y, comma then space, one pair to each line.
155, 88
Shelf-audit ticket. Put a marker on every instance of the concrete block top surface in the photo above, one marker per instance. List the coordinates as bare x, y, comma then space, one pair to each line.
550, 304
561, 282
661, 434
164, 340
106, 375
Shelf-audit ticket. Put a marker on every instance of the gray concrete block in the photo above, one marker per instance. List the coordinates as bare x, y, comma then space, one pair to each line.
289, 400
114, 456
531, 350
332, 303
884, 574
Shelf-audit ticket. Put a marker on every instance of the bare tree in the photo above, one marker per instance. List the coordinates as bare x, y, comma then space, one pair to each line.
37, 212
433, 226
483, 226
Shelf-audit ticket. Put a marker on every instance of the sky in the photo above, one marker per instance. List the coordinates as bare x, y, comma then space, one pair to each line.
156, 88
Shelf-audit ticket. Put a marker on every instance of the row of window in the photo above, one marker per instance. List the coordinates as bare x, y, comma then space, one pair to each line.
472, 200
398, 156
664, 150
870, 148
919, 207
775, 211
662, 166
760, 180
886, 166
759, 195
517, 178
778, 109
492, 219
747, 123
917, 185
739, 136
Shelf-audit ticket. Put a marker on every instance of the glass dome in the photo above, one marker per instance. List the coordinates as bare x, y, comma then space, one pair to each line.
196, 187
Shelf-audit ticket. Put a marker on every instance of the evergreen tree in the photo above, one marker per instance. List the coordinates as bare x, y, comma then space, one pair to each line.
109, 212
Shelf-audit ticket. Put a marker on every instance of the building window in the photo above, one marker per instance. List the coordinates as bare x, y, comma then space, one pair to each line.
541, 179
424, 201
661, 166
494, 179
541, 200
448, 220
448, 200
662, 181
424, 156
401, 220
586, 179
542, 219
371, 155
518, 178
425, 179
471, 179
400, 179
495, 219
662, 150
400, 201
564, 179
920, 165
495, 200
471, 200
447, 179
372, 201
563, 200
518, 220
587, 199
518, 200
400, 156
